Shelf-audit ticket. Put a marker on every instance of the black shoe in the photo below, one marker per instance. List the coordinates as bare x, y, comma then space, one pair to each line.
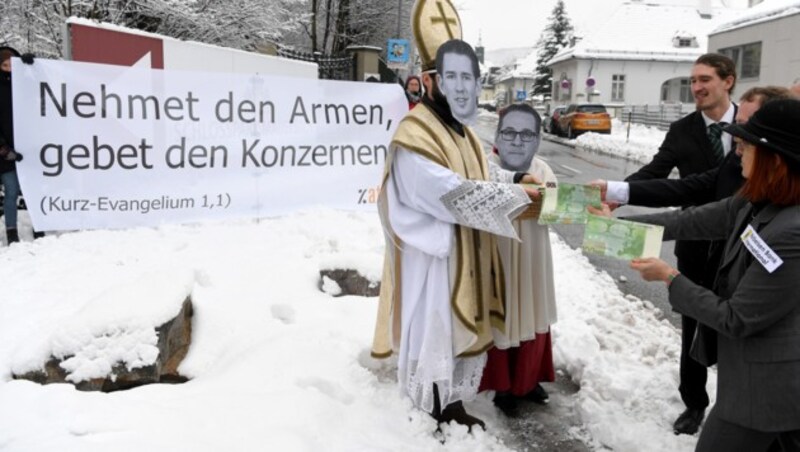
538, 395
456, 412
507, 403
688, 423
11, 235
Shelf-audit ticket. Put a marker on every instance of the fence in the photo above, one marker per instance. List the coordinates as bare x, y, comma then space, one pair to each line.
331, 67
660, 116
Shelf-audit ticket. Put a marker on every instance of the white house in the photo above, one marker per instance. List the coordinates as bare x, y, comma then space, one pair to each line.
516, 80
641, 55
764, 41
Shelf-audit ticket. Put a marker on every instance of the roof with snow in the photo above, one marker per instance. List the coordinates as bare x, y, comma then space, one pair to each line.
763, 12
522, 68
646, 31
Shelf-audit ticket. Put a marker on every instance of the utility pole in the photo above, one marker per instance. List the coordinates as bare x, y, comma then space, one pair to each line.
399, 16
397, 36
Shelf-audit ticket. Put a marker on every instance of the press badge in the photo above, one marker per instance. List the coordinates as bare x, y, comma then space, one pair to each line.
759, 249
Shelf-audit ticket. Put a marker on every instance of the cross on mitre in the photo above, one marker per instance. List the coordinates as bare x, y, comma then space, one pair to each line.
447, 21
433, 22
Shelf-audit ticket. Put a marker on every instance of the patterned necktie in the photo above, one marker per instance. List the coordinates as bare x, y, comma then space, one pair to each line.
715, 136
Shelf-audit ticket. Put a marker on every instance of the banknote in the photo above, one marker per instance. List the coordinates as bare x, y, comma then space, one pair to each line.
566, 203
621, 239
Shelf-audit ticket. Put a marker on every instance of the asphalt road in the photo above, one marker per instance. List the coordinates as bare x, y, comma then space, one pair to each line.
579, 166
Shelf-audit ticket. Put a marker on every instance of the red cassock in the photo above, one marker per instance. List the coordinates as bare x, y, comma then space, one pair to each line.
519, 369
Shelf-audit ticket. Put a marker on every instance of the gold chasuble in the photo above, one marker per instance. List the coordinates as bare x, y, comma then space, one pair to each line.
476, 279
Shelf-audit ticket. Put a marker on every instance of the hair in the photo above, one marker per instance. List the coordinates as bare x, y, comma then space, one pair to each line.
764, 94
772, 180
723, 66
458, 47
413, 77
522, 108
6, 54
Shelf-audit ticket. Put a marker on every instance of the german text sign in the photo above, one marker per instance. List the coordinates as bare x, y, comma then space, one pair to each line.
110, 146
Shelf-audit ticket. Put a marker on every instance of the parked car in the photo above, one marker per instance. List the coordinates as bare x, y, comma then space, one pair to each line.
489, 105
550, 123
580, 118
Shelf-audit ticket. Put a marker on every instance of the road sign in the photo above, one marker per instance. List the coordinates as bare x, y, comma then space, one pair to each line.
397, 51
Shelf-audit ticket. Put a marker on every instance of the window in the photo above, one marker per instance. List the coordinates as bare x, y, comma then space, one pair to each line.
686, 91
617, 87
747, 58
684, 41
591, 108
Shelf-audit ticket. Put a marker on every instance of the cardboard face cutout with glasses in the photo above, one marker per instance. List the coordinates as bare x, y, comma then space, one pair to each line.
517, 140
459, 79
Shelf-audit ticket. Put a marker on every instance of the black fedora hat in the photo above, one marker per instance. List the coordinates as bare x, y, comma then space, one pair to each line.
775, 126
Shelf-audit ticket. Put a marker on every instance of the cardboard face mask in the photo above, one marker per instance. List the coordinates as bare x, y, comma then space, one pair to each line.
517, 140
459, 83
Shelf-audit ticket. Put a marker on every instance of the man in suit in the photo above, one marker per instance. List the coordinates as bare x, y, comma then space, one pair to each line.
758, 395
712, 185
715, 184
694, 144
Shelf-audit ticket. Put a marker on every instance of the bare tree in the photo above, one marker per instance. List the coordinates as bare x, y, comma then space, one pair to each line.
327, 26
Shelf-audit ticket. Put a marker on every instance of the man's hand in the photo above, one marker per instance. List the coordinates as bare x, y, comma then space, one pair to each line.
532, 192
602, 185
530, 179
653, 269
8, 153
603, 211
27, 58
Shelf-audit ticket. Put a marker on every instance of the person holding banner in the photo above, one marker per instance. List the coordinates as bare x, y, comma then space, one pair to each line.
523, 352
754, 308
441, 288
8, 155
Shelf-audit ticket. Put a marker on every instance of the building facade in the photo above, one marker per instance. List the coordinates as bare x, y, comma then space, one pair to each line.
642, 55
764, 42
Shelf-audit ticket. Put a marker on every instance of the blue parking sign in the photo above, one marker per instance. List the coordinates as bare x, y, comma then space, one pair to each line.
397, 51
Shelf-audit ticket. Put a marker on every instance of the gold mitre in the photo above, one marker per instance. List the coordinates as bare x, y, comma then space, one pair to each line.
433, 22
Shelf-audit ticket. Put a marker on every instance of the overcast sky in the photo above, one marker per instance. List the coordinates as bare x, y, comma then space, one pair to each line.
518, 23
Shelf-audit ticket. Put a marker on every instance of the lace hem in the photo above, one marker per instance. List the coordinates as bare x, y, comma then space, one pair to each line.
487, 206
461, 384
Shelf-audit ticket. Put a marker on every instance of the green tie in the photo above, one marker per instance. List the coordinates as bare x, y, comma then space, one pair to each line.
715, 136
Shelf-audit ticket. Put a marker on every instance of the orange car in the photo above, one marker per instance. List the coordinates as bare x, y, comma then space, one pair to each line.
581, 118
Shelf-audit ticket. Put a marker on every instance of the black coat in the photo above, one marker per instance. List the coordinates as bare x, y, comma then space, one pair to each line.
688, 148
6, 120
754, 311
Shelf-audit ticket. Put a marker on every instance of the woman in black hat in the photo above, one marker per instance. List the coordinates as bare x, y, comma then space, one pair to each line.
755, 306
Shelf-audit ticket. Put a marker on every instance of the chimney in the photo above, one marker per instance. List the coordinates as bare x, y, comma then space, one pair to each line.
704, 9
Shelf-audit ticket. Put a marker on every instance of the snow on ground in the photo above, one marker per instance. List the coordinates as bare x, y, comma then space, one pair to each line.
640, 145
275, 363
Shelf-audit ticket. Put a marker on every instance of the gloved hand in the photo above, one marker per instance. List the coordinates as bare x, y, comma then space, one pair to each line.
27, 58
9, 154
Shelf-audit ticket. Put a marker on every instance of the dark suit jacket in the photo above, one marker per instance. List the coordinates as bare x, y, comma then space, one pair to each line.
717, 183
756, 313
687, 148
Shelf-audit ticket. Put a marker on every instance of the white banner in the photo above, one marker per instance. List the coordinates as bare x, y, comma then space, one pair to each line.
113, 147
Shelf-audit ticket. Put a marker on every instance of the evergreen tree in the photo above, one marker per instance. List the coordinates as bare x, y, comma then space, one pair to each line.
555, 37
